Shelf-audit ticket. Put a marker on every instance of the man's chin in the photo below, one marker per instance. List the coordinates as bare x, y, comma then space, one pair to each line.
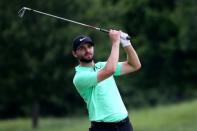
86, 60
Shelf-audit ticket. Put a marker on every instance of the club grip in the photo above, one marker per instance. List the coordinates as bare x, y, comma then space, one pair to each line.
107, 31
128, 38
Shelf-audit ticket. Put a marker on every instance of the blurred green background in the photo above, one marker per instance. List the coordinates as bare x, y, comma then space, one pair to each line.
37, 66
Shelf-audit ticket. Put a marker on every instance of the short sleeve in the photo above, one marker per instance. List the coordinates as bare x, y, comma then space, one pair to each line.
118, 69
85, 80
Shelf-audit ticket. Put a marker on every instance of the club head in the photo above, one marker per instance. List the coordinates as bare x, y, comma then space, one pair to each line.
21, 12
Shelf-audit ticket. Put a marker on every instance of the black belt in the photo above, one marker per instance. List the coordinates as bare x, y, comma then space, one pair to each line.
109, 124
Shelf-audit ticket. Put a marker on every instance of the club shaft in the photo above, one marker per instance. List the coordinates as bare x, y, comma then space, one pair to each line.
68, 20
22, 11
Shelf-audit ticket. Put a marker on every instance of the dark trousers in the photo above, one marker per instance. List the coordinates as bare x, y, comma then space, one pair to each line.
123, 125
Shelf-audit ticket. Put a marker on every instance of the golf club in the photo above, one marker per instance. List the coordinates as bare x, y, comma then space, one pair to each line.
22, 11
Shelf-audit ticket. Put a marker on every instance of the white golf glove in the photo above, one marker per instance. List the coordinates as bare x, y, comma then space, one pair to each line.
123, 39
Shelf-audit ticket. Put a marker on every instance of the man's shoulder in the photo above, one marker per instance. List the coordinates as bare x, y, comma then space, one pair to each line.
103, 63
84, 69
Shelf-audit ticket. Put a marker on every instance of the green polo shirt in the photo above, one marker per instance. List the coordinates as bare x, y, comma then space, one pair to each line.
103, 99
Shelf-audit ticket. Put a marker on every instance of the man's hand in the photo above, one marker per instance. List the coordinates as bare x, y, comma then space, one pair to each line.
114, 36
124, 40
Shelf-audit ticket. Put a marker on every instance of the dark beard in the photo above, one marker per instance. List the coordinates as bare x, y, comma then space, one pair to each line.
86, 60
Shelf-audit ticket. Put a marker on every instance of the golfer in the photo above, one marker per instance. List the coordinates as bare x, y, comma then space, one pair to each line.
96, 85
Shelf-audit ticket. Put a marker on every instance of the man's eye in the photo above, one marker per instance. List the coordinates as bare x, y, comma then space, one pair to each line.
89, 46
81, 48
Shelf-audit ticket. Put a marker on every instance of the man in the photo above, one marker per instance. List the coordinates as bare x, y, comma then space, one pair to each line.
96, 85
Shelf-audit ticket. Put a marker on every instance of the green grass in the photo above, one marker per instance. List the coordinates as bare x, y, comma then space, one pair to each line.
179, 117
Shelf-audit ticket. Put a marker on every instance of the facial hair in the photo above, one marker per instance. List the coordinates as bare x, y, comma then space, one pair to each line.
86, 60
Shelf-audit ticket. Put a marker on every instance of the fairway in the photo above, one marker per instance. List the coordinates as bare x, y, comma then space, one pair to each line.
179, 117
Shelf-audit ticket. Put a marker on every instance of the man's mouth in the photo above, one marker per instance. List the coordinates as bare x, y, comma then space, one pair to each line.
88, 54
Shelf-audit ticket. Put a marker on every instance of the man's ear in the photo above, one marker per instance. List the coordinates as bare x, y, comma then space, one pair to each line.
74, 54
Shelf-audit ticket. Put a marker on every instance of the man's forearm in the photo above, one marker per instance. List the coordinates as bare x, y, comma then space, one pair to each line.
113, 58
112, 61
111, 64
132, 57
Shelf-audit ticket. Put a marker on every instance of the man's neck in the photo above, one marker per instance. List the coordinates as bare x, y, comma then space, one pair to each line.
87, 64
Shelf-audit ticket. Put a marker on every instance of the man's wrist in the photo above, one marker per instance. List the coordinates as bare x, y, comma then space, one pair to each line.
126, 43
116, 44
